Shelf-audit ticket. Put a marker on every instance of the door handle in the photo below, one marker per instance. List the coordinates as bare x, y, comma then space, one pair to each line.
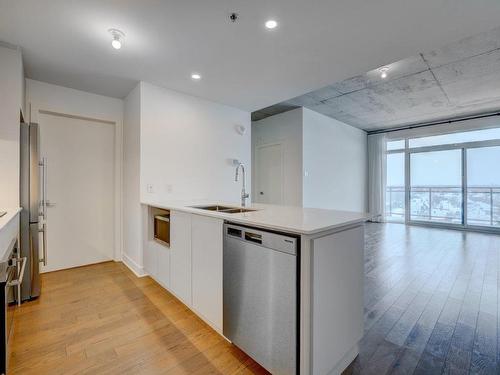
44, 244
49, 204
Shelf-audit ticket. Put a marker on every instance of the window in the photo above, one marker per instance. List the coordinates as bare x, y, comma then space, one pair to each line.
456, 138
483, 186
436, 186
396, 145
453, 181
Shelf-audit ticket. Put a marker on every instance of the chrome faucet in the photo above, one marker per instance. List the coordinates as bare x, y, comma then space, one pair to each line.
244, 194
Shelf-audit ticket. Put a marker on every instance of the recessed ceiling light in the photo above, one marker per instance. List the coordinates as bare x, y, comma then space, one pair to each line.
196, 76
271, 24
383, 71
117, 38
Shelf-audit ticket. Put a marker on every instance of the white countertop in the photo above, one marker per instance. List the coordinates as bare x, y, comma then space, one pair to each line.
9, 228
297, 220
11, 213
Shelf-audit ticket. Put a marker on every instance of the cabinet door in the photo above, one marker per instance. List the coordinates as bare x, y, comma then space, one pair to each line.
180, 255
163, 273
207, 268
151, 258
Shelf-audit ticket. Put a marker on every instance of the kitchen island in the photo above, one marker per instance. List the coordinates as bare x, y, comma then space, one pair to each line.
329, 271
9, 234
9, 229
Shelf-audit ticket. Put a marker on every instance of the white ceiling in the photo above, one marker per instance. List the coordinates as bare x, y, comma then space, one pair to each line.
316, 43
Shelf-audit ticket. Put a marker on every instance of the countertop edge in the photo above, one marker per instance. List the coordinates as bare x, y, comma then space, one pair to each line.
11, 213
248, 221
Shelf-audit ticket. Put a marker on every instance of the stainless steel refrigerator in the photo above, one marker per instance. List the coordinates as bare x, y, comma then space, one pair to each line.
32, 192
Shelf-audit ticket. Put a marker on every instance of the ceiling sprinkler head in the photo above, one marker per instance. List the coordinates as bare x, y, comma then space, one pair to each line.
233, 17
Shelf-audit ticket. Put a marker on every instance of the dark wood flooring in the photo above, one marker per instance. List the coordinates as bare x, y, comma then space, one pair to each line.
431, 302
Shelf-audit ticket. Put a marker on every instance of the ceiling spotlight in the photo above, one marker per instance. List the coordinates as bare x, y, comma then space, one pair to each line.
117, 38
383, 71
196, 76
271, 24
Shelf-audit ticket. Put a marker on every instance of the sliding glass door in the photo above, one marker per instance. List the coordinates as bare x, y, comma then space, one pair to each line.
447, 180
436, 186
483, 187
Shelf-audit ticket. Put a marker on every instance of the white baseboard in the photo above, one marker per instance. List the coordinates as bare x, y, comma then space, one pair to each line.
133, 266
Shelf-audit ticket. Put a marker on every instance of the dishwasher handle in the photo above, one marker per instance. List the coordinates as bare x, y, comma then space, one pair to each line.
274, 241
253, 237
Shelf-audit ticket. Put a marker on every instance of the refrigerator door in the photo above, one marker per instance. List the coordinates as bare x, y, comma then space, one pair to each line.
34, 266
30, 203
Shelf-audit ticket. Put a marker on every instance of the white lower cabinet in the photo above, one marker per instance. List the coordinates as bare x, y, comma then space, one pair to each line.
192, 267
157, 262
151, 258
163, 273
180, 255
206, 250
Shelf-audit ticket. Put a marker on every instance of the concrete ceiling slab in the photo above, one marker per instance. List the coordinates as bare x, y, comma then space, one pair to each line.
473, 80
460, 79
465, 48
398, 69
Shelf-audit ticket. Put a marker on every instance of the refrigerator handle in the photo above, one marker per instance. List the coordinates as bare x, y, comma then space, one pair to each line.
44, 210
43, 206
44, 244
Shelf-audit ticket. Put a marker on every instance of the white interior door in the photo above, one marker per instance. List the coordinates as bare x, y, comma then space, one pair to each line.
269, 174
80, 189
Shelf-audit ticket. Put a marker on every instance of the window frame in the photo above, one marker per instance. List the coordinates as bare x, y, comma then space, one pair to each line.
464, 146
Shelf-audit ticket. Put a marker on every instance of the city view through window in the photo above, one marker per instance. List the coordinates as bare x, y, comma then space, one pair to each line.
442, 188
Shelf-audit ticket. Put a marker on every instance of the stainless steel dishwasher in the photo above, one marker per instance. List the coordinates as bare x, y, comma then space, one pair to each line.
260, 296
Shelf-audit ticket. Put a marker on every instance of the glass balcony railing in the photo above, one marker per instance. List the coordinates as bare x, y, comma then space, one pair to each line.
483, 206
444, 204
395, 203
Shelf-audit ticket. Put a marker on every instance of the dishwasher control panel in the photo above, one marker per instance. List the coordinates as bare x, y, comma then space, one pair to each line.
280, 242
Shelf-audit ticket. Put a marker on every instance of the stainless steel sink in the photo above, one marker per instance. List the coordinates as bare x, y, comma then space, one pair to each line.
225, 209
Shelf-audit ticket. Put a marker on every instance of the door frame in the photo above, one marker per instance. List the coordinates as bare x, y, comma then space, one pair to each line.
35, 110
282, 162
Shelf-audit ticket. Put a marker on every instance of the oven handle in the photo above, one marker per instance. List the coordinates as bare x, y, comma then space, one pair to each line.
19, 280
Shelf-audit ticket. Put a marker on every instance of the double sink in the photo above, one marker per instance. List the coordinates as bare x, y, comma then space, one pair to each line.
224, 209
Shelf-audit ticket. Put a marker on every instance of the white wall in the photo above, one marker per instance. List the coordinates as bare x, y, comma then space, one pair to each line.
186, 144
11, 103
132, 212
41, 96
335, 164
285, 129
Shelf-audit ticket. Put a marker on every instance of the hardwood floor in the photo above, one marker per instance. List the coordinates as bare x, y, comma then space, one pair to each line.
431, 307
431, 302
101, 319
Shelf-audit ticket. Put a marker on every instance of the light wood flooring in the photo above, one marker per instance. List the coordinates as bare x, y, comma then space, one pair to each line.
431, 307
101, 319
